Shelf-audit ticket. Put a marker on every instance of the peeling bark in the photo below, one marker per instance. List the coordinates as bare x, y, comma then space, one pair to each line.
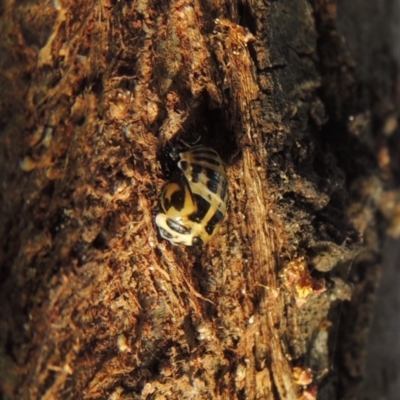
95, 304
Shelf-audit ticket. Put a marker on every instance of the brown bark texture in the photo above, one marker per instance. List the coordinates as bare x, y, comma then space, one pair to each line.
94, 304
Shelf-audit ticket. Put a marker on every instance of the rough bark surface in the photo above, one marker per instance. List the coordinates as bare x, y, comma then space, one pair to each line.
94, 303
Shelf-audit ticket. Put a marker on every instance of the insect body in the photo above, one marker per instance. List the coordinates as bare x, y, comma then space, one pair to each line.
194, 202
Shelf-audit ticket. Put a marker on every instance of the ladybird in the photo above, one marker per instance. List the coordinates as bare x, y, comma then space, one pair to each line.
194, 201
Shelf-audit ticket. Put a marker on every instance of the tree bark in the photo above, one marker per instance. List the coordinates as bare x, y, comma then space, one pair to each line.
94, 303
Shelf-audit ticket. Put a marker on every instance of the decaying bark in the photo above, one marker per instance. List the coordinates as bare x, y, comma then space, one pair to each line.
94, 304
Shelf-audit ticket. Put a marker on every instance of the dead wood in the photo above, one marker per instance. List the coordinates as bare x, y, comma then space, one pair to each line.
94, 303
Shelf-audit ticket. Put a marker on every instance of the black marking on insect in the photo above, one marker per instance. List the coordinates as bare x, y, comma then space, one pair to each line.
203, 206
213, 186
194, 202
214, 221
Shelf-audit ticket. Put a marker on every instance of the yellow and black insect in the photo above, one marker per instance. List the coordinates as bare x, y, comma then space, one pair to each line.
194, 202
